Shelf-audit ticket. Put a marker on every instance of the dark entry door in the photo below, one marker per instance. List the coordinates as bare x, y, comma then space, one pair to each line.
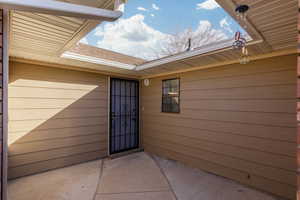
124, 115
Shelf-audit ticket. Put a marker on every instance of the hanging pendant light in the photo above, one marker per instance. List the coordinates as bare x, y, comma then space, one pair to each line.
239, 41
245, 56
240, 44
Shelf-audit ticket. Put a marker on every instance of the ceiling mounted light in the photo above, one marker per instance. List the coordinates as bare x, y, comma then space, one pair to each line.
241, 11
239, 41
146, 82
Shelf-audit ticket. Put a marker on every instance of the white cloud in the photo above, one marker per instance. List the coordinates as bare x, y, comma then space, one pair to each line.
132, 36
203, 35
152, 15
141, 8
84, 41
208, 34
208, 5
155, 7
225, 25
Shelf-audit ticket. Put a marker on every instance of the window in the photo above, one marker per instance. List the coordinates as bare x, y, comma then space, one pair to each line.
170, 96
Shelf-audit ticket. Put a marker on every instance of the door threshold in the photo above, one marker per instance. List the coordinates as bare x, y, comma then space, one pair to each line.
125, 153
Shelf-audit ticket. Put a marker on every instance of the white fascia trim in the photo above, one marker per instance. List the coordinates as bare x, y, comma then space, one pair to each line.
53, 7
205, 49
95, 60
208, 49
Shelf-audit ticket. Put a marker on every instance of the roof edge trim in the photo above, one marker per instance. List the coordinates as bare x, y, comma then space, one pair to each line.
61, 8
75, 56
196, 52
252, 58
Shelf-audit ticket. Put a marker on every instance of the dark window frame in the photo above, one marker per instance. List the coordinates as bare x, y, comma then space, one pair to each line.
162, 96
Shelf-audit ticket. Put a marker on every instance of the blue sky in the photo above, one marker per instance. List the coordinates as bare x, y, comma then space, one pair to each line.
146, 25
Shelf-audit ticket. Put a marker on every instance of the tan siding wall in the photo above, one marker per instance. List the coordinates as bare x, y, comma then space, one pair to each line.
237, 121
57, 117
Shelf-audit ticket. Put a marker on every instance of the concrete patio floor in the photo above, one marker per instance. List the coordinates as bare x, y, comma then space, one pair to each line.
138, 176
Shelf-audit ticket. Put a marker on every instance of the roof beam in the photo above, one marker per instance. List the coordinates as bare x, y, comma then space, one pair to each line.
61, 9
84, 58
187, 54
200, 51
223, 63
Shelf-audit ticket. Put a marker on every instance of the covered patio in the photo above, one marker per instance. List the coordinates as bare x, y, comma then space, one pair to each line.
102, 119
132, 177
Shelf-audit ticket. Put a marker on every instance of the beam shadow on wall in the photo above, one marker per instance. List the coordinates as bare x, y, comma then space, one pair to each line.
57, 118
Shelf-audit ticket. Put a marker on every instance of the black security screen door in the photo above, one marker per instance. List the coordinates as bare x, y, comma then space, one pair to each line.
124, 115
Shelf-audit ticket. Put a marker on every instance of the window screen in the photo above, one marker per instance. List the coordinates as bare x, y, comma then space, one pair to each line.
170, 96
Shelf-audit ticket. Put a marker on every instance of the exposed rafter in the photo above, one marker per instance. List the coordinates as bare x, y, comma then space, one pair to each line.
61, 8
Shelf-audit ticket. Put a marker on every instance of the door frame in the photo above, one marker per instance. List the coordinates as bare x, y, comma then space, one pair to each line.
109, 79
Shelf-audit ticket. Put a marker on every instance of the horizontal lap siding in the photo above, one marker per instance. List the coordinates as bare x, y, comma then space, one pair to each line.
57, 118
237, 121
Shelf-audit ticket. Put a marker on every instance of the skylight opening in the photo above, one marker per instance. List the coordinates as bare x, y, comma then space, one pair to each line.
155, 29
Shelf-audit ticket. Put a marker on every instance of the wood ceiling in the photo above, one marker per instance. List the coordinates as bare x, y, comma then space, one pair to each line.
41, 37
47, 34
276, 20
272, 24
40, 33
